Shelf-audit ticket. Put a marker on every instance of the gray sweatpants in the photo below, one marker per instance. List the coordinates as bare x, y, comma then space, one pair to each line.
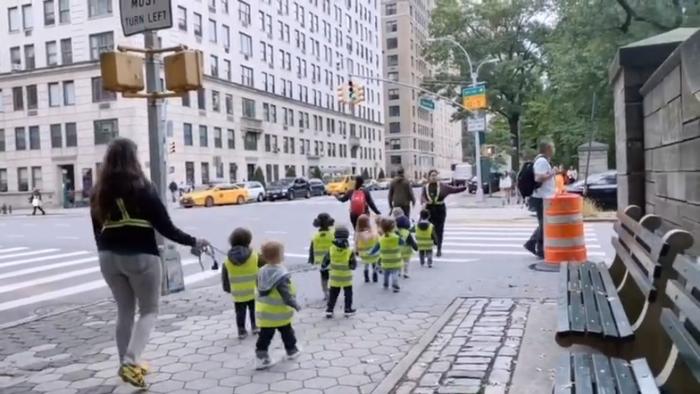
133, 278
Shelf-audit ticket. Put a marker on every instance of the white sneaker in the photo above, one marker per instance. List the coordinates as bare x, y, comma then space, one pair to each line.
263, 363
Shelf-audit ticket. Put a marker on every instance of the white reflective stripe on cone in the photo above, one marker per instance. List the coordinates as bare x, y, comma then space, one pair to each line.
564, 242
564, 219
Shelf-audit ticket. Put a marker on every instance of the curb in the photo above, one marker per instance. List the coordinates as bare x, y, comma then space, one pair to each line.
388, 384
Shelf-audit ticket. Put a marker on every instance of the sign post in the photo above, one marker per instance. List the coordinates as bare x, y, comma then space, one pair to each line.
427, 104
474, 99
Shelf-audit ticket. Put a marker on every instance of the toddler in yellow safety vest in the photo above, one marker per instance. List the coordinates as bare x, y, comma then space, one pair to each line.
426, 238
320, 246
275, 305
341, 262
408, 246
239, 275
366, 238
389, 249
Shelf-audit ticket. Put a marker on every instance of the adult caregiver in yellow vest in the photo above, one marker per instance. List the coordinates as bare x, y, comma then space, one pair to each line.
126, 212
433, 196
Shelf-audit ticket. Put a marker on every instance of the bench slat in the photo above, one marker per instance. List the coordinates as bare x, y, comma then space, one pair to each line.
623, 377
623, 325
650, 264
577, 314
582, 374
563, 324
688, 269
589, 304
603, 374
657, 247
601, 296
562, 378
687, 305
644, 377
643, 282
688, 348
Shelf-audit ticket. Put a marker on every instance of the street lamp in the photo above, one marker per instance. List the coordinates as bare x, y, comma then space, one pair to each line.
474, 74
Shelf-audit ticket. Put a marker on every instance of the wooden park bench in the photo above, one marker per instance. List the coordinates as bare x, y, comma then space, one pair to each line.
679, 335
603, 308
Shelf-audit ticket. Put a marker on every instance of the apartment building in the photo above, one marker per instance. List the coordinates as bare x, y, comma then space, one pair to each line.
416, 138
268, 101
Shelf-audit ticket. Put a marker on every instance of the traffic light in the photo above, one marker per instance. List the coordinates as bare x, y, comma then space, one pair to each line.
352, 93
171, 147
342, 93
183, 71
121, 72
360, 95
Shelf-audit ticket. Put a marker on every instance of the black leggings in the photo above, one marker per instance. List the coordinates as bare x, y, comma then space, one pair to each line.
241, 308
438, 214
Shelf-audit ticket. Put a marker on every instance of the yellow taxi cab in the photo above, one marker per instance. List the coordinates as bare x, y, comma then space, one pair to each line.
215, 195
340, 185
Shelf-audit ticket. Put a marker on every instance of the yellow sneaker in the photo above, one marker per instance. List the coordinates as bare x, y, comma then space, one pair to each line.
144, 367
132, 374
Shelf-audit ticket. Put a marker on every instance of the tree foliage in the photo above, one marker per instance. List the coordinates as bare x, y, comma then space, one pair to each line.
259, 176
291, 172
381, 174
315, 172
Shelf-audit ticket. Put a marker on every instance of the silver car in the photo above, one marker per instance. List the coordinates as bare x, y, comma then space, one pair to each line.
256, 191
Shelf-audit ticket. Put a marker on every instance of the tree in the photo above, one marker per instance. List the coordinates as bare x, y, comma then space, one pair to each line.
511, 32
365, 174
291, 172
259, 176
315, 172
381, 174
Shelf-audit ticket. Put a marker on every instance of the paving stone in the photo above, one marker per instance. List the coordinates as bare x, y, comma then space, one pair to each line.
472, 360
286, 385
51, 386
85, 383
201, 384
405, 388
457, 373
499, 377
459, 389
77, 375
320, 383
187, 375
430, 379
353, 380
267, 377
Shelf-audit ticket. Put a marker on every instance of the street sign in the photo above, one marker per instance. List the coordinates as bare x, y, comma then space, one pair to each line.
427, 104
139, 16
474, 97
476, 123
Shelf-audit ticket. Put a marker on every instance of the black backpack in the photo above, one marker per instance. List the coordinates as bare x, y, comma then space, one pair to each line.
526, 179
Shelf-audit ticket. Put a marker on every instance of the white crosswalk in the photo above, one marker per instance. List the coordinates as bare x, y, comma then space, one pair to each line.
30, 277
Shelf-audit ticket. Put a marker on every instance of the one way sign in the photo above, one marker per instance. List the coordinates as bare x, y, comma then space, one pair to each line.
139, 16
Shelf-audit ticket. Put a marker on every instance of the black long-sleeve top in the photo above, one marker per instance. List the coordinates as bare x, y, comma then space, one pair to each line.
368, 198
135, 240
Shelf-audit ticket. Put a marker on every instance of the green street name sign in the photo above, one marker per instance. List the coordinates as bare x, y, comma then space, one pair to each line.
427, 104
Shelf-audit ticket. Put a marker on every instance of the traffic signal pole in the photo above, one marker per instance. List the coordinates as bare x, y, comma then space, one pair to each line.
156, 138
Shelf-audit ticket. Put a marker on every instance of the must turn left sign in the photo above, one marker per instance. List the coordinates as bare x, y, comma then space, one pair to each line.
139, 16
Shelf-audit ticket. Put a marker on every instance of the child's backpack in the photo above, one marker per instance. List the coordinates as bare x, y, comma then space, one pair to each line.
358, 202
526, 179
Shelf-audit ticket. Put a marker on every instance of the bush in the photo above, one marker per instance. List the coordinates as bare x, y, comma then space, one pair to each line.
259, 176
315, 172
291, 172
590, 208
365, 174
381, 174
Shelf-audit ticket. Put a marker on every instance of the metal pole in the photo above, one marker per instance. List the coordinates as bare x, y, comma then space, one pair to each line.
156, 138
590, 144
477, 153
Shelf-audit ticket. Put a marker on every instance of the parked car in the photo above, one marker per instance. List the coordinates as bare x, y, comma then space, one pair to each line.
471, 185
289, 188
602, 189
255, 189
383, 184
371, 185
222, 194
340, 185
318, 188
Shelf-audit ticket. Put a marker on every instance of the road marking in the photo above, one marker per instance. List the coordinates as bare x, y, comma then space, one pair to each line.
68, 237
502, 229
15, 236
504, 252
68, 291
32, 253
494, 238
43, 258
449, 260
590, 246
300, 255
275, 232
42, 268
8, 250
61, 225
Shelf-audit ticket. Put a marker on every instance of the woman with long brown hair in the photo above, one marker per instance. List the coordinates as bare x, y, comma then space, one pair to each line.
126, 212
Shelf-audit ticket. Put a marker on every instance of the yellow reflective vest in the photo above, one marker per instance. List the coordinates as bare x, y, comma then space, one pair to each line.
406, 250
340, 274
126, 220
243, 278
271, 311
322, 242
424, 238
390, 252
364, 249
433, 200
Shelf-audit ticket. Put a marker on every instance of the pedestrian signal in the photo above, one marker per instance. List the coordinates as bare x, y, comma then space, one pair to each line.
342, 94
360, 96
121, 72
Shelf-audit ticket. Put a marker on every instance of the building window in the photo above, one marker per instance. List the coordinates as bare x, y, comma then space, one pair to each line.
244, 12
34, 138
185, 97
392, 60
395, 159
54, 94
212, 30
395, 143
66, 51
51, 53
99, 94
27, 19
68, 93
49, 13
205, 173
189, 173
390, 9
37, 182
22, 179
56, 136
71, 135
20, 139
16, 58
227, 69
105, 131
216, 101
2, 140
229, 104
101, 42
250, 142
394, 127
226, 36
32, 100
201, 99
392, 43
248, 108
3, 180
187, 134
99, 7
247, 76
17, 99
182, 18
64, 11
246, 44
214, 66
231, 138
197, 25
218, 138
232, 172
392, 26
394, 110
393, 94
203, 136
13, 18
29, 57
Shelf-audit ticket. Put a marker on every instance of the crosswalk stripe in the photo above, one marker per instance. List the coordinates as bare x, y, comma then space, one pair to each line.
530, 227
42, 268
43, 258
522, 238
503, 252
72, 290
452, 260
32, 253
8, 250
513, 233
296, 255
516, 245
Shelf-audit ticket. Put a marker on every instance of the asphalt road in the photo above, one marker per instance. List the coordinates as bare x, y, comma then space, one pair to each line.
49, 263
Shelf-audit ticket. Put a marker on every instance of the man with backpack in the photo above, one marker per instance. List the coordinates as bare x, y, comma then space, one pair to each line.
360, 201
536, 180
